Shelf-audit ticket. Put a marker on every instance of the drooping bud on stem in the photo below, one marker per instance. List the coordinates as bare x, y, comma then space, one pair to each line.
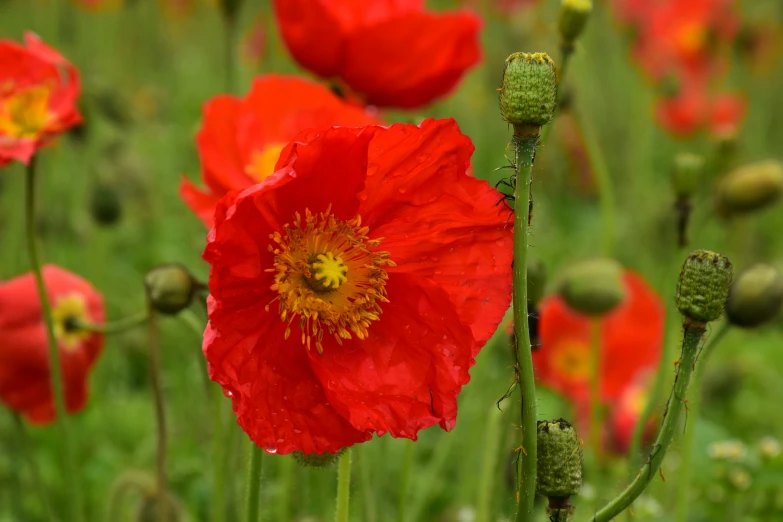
755, 296
171, 288
559, 468
528, 94
703, 287
593, 287
750, 188
573, 17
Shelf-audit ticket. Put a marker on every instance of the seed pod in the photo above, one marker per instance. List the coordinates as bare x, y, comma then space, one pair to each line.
559, 466
755, 296
573, 17
703, 286
686, 174
750, 188
314, 460
593, 287
170, 288
528, 94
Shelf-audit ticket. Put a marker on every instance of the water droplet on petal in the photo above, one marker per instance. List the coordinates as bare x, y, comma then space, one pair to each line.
271, 451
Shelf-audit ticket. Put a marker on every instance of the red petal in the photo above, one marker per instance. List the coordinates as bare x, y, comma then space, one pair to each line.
440, 222
201, 202
411, 60
406, 376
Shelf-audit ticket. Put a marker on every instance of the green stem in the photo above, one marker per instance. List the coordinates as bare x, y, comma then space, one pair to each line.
489, 465
694, 405
112, 327
219, 446
70, 476
254, 483
343, 487
407, 465
687, 363
595, 387
160, 417
367, 490
524, 153
286, 487
605, 190
35, 474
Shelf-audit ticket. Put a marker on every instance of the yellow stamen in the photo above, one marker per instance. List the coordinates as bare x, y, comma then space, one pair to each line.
26, 113
572, 361
69, 310
328, 277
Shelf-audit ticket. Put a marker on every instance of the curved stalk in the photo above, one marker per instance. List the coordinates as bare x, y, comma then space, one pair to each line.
524, 154
685, 367
112, 327
70, 476
343, 487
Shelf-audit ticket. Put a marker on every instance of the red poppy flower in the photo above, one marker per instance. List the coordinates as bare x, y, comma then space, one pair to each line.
241, 138
392, 52
625, 414
25, 384
726, 115
352, 289
631, 337
38, 92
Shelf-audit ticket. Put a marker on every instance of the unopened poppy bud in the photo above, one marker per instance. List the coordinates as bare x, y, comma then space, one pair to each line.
559, 466
593, 287
755, 296
170, 288
750, 188
105, 206
573, 17
536, 282
703, 286
686, 174
528, 94
314, 460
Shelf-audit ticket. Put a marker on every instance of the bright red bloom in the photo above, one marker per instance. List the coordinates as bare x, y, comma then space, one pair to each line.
631, 338
25, 384
625, 414
392, 52
241, 138
389, 266
38, 92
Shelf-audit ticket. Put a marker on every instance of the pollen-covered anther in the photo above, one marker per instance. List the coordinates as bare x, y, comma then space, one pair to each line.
327, 278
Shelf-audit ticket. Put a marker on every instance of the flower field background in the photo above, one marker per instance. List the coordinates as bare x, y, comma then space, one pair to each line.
110, 210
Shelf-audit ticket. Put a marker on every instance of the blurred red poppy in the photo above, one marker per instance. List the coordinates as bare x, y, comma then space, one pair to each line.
393, 53
38, 92
241, 138
631, 338
25, 384
625, 414
389, 266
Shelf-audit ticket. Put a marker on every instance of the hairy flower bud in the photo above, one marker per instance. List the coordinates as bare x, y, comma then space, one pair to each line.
686, 174
559, 467
703, 286
528, 94
573, 17
755, 296
593, 287
170, 288
314, 460
750, 188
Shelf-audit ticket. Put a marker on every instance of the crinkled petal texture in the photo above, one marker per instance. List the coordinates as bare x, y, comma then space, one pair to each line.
38, 93
25, 384
391, 52
240, 138
631, 337
447, 293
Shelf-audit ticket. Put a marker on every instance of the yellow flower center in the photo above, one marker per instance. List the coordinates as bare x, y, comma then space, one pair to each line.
572, 361
691, 38
327, 277
26, 113
67, 312
263, 162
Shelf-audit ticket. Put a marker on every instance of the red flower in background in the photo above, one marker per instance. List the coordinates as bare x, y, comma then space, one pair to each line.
625, 414
392, 52
241, 138
25, 384
38, 92
389, 266
631, 337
